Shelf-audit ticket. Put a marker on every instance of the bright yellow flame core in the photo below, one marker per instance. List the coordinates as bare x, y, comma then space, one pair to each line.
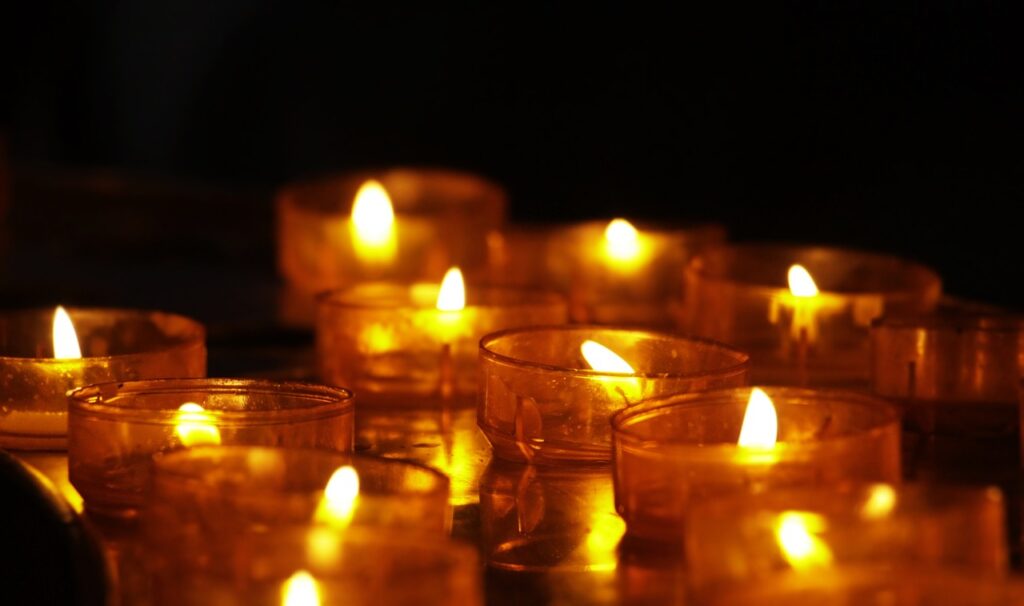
300, 589
338, 505
880, 502
602, 359
65, 340
621, 240
373, 217
195, 426
796, 533
452, 295
760, 422
801, 284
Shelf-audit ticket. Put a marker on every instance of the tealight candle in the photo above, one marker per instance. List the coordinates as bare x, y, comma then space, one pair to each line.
400, 225
417, 345
742, 539
613, 272
45, 353
682, 449
318, 566
114, 429
803, 313
203, 500
547, 392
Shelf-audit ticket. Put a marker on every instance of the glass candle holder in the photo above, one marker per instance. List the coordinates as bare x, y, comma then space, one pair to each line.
542, 402
392, 345
747, 538
116, 345
956, 378
549, 519
874, 586
740, 295
683, 449
114, 429
356, 567
437, 219
612, 272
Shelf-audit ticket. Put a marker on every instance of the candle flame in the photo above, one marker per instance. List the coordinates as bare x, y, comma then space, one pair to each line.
452, 295
796, 535
760, 423
373, 223
801, 284
602, 359
195, 426
340, 496
65, 340
880, 503
621, 240
300, 589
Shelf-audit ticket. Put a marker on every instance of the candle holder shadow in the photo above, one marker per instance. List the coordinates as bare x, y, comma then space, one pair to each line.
679, 450
358, 567
742, 539
115, 428
738, 294
540, 404
117, 345
390, 344
442, 218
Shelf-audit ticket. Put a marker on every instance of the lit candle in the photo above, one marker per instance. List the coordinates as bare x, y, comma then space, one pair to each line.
625, 249
372, 225
680, 450
604, 360
37, 369
451, 300
301, 589
341, 495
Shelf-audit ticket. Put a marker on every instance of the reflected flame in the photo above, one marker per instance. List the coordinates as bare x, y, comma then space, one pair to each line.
65, 340
801, 284
338, 505
760, 422
880, 503
373, 223
300, 589
452, 295
796, 535
195, 426
602, 359
621, 240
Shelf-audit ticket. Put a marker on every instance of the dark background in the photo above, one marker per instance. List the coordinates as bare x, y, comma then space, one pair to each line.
896, 128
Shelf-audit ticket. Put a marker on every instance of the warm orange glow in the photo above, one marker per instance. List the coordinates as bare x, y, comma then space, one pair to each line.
880, 503
796, 533
301, 589
452, 295
621, 241
338, 505
65, 341
760, 423
602, 359
195, 426
801, 284
373, 223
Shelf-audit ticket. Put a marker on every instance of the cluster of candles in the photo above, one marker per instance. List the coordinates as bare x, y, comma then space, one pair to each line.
623, 352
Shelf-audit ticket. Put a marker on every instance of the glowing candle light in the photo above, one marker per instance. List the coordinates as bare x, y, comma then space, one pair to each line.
760, 422
373, 225
621, 243
65, 340
452, 294
341, 495
301, 589
195, 426
796, 534
603, 359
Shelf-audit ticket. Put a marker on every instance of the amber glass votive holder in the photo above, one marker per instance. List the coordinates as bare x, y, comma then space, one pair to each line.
115, 429
680, 450
441, 218
357, 567
636, 283
541, 402
393, 346
745, 538
740, 295
116, 344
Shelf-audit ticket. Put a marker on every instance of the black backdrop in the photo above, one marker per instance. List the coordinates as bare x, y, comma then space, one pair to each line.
894, 128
